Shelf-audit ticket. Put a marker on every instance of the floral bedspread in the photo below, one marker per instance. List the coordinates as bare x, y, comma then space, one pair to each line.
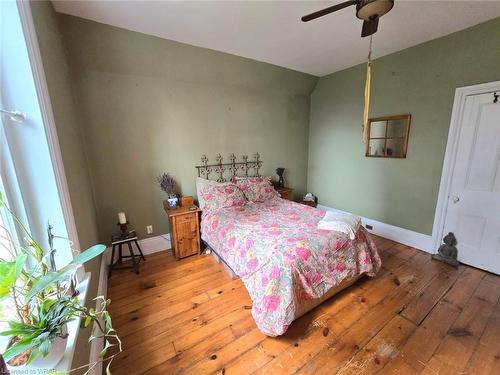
282, 258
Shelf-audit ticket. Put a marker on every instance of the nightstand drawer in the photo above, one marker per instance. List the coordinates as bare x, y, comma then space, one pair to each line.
186, 218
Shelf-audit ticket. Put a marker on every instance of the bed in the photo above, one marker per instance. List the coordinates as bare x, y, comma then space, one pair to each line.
286, 263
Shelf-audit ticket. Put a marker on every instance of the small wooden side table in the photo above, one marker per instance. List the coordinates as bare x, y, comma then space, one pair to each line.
285, 192
184, 229
117, 241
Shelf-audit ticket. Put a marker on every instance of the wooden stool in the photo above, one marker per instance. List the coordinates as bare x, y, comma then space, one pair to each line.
117, 241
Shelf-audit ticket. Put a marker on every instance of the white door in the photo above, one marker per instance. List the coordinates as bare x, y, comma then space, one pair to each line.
473, 213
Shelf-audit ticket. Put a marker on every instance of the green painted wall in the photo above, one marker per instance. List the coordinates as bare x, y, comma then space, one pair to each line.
151, 105
421, 81
67, 119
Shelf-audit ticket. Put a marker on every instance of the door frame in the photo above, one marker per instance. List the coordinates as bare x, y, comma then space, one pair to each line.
450, 156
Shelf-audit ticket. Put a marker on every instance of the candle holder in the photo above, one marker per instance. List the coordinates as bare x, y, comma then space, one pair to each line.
124, 228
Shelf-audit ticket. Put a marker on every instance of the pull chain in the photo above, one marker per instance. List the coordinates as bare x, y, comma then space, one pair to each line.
367, 91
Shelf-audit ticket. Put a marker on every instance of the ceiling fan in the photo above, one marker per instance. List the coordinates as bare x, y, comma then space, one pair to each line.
367, 10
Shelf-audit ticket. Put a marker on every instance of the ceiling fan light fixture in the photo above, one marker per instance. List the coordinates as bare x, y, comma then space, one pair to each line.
370, 10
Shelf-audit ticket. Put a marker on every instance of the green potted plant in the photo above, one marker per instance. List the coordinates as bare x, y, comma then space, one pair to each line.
43, 301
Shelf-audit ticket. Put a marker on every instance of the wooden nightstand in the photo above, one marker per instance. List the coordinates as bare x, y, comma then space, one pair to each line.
310, 203
184, 230
285, 193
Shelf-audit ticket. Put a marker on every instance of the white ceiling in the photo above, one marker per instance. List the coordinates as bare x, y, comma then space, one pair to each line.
271, 31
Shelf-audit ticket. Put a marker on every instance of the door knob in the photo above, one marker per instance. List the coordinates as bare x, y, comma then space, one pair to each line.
455, 199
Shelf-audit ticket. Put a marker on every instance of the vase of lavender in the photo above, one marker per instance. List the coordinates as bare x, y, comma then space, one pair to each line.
167, 184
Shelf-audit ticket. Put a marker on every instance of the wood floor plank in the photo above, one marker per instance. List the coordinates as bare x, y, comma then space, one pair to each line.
416, 316
402, 251
185, 323
159, 321
163, 275
384, 346
154, 263
465, 286
226, 354
332, 357
175, 286
461, 339
169, 296
492, 278
414, 355
420, 307
203, 350
146, 355
486, 357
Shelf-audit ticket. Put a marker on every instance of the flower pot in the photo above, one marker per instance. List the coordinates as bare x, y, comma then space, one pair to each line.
54, 357
173, 201
51, 360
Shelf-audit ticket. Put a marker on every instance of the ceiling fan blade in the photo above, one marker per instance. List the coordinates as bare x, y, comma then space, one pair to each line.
324, 12
369, 27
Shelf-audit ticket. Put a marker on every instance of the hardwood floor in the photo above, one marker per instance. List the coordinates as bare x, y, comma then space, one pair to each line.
417, 316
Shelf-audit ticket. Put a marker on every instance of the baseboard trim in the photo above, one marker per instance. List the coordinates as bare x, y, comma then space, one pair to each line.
155, 244
148, 246
405, 236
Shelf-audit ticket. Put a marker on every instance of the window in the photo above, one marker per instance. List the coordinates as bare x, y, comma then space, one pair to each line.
28, 171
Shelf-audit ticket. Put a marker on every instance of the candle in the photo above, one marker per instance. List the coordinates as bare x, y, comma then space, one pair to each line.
122, 219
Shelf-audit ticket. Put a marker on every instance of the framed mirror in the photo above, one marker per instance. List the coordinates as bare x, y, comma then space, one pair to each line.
388, 136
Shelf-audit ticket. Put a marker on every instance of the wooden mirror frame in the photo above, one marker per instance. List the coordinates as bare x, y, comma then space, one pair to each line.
406, 133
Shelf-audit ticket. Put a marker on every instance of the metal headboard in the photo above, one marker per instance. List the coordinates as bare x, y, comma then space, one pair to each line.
233, 167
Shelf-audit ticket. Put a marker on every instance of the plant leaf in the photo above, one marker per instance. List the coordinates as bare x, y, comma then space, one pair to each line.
47, 280
45, 347
89, 254
51, 277
18, 348
107, 345
108, 371
9, 272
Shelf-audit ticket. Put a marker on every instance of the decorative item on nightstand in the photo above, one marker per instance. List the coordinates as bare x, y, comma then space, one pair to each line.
310, 200
281, 181
167, 184
184, 229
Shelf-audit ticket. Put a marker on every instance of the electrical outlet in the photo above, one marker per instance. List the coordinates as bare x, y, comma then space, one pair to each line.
149, 229
368, 226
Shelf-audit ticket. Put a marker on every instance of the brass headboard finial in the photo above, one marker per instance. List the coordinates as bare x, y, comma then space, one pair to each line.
233, 166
